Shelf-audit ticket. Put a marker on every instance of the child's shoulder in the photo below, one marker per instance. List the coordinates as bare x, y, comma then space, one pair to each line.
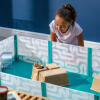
77, 26
52, 26
77, 29
52, 22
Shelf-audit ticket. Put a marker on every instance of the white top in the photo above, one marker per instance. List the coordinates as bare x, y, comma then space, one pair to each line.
70, 37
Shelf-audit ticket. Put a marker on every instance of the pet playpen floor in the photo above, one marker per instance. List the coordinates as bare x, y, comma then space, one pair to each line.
77, 81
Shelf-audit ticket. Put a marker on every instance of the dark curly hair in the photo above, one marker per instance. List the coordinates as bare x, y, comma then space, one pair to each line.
67, 12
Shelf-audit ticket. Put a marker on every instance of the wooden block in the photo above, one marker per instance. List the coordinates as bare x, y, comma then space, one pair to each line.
51, 74
55, 76
96, 83
52, 66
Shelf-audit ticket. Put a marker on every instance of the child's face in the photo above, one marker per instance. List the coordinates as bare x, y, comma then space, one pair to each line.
61, 25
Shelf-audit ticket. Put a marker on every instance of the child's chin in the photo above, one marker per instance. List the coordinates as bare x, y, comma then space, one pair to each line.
62, 32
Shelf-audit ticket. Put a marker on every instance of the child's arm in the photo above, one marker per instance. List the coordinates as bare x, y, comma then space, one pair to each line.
53, 37
80, 40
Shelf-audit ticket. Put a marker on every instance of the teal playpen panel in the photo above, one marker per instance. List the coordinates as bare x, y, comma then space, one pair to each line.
35, 49
7, 51
34, 87
95, 62
61, 93
20, 84
71, 58
7, 45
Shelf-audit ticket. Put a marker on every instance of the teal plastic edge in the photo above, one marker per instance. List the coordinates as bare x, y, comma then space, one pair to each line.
90, 68
96, 97
49, 52
43, 89
0, 77
89, 62
15, 47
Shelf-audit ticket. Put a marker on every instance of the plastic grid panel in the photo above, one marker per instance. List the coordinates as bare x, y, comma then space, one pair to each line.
33, 48
7, 45
20, 84
71, 58
95, 62
62, 93
7, 50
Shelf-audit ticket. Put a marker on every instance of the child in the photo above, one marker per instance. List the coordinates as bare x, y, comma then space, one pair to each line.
64, 29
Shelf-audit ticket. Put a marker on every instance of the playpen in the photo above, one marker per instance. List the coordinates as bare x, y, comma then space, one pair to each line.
19, 52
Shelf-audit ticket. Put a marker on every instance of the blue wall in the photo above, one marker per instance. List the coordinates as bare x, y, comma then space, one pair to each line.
6, 13
35, 15
31, 15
